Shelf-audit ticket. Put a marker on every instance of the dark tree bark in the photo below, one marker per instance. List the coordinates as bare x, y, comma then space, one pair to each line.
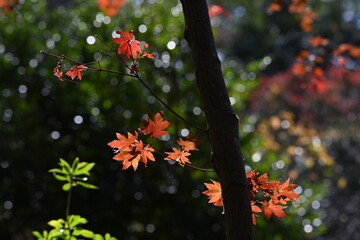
223, 124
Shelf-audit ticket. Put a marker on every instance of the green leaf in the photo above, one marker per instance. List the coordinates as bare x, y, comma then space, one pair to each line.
109, 237
85, 169
87, 185
66, 187
57, 223
57, 170
81, 164
75, 220
56, 233
98, 237
37, 235
62, 178
75, 164
84, 233
65, 165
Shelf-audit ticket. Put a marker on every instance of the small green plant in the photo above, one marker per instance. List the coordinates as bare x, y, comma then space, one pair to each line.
70, 228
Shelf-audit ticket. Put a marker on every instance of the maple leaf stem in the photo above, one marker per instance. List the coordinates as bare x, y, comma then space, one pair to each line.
61, 57
90, 68
189, 165
199, 168
122, 62
101, 40
165, 105
135, 75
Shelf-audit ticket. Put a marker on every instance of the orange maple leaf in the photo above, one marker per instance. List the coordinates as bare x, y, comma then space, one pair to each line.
131, 151
270, 208
254, 209
110, 7
131, 156
284, 193
187, 145
123, 142
274, 7
180, 156
58, 73
75, 71
155, 126
214, 193
299, 69
318, 41
215, 10
127, 45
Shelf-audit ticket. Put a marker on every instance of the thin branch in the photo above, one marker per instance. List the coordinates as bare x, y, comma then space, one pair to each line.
198, 168
122, 62
89, 67
68, 202
165, 105
135, 75
119, 61
105, 43
189, 165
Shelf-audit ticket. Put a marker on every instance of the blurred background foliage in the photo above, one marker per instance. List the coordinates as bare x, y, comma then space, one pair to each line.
286, 130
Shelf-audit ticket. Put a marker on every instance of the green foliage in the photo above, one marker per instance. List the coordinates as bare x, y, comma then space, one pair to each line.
73, 174
70, 228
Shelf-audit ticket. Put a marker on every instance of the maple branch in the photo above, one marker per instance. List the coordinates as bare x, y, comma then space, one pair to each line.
189, 165
135, 75
101, 40
89, 67
122, 62
198, 168
165, 105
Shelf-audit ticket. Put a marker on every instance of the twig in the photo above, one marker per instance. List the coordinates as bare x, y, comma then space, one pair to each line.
189, 165
89, 67
165, 105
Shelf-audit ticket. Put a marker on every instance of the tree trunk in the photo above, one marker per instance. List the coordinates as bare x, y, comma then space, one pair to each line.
223, 124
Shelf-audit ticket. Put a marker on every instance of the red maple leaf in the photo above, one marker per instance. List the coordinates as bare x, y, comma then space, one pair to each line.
215, 10
180, 156
75, 71
110, 7
131, 151
270, 208
255, 209
284, 193
127, 45
188, 144
318, 41
274, 7
214, 193
58, 73
123, 142
155, 126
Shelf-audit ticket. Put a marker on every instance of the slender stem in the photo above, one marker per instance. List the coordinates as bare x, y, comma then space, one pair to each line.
135, 75
89, 67
190, 165
68, 202
122, 62
198, 168
167, 106
119, 61
105, 43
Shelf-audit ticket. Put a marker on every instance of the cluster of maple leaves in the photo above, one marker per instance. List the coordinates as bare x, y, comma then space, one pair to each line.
313, 61
265, 196
128, 48
131, 150
269, 197
298, 7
